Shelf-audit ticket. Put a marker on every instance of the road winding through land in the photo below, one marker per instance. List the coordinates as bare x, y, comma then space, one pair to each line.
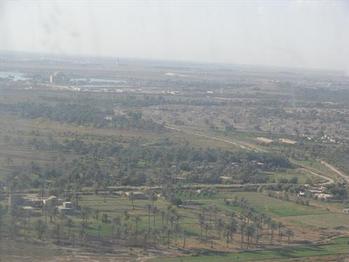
248, 146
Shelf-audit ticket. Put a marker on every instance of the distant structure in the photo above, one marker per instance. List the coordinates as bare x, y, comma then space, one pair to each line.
66, 208
58, 78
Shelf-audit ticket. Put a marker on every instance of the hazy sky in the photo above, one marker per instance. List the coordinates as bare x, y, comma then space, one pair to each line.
289, 33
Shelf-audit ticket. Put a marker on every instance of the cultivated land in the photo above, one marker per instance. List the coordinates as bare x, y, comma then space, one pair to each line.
171, 162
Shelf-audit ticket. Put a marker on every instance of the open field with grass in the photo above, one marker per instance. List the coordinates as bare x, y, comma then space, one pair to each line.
336, 247
278, 207
327, 220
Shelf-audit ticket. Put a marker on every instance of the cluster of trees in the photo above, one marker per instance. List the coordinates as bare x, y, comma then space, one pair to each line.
157, 226
83, 114
323, 95
144, 101
286, 187
339, 190
254, 225
286, 197
112, 163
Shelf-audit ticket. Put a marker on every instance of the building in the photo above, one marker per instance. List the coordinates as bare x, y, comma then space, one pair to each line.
137, 195
67, 205
28, 210
346, 210
66, 208
301, 194
117, 193
58, 78
32, 200
51, 201
226, 179
323, 196
108, 118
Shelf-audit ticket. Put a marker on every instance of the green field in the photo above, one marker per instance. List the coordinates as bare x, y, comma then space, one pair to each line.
336, 247
277, 207
332, 220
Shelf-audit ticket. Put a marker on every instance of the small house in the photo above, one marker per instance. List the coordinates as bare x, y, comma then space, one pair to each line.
140, 196
117, 193
137, 195
50, 201
301, 194
66, 208
346, 210
323, 196
32, 200
28, 209
67, 204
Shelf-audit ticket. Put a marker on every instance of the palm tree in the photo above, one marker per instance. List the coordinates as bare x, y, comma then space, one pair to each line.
250, 231
242, 232
273, 226
163, 233
85, 214
132, 198
2, 215
105, 218
137, 219
155, 234
124, 230
176, 231
149, 207
280, 226
99, 230
201, 223
227, 234
215, 212
168, 232
220, 226
206, 225
70, 225
154, 210
96, 214
259, 229
153, 197
263, 217
249, 215
289, 234
57, 232
126, 216
267, 221
83, 227
40, 228
51, 210
116, 224
163, 213
13, 228
232, 227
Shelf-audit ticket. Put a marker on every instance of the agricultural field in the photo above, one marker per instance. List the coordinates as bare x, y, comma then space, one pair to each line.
334, 250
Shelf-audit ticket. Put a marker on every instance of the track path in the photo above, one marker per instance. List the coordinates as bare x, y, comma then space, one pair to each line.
252, 147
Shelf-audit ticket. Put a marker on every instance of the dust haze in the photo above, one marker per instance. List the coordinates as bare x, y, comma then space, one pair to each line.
311, 34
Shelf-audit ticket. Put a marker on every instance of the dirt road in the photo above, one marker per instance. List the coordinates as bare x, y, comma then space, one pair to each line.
334, 169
